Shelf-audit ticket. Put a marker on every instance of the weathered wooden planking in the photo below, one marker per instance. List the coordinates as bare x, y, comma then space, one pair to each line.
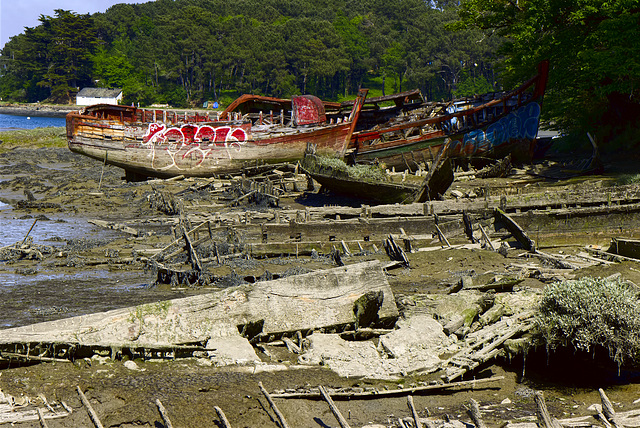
301, 302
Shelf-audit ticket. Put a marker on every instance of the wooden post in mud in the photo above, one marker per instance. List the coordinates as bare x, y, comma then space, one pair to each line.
223, 418
163, 414
43, 423
193, 256
416, 419
544, 418
106, 153
92, 413
474, 413
607, 409
280, 416
30, 229
341, 420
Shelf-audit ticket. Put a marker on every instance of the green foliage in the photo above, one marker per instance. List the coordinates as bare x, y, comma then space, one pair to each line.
38, 137
592, 312
471, 85
594, 81
183, 52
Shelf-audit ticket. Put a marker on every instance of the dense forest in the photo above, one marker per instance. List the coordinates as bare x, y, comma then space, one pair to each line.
185, 52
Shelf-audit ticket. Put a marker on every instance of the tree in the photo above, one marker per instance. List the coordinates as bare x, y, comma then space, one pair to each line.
70, 39
594, 82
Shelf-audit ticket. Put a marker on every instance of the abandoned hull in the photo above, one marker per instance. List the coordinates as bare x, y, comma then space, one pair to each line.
492, 126
165, 144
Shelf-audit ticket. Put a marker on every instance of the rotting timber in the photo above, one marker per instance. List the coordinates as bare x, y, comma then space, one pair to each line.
230, 215
162, 143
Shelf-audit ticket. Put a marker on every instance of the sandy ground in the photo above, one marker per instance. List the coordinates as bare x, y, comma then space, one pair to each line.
81, 189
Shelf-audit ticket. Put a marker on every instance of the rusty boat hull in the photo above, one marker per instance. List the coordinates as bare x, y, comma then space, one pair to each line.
160, 143
488, 126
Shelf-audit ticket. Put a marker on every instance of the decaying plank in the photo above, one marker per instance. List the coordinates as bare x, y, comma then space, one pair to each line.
296, 303
517, 232
391, 393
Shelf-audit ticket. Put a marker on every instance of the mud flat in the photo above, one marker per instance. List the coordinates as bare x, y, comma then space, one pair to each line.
189, 238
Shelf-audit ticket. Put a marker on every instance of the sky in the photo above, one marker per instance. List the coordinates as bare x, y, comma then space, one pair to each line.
17, 14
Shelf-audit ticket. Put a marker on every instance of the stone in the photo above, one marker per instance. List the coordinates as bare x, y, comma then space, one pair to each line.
231, 350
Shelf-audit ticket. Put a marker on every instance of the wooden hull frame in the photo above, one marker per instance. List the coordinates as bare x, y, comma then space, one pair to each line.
160, 144
502, 126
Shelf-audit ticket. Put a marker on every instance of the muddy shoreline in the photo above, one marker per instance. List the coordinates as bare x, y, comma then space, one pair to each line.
79, 189
37, 109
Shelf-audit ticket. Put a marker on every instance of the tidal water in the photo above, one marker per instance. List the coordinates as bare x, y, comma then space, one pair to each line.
10, 122
39, 292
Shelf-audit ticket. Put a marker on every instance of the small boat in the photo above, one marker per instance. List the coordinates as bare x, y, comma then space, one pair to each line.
161, 143
373, 184
488, 126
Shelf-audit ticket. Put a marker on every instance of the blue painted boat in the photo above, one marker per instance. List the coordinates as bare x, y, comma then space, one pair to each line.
488, 126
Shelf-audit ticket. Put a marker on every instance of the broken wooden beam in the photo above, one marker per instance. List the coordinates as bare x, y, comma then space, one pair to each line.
518, 233
92, 413
396, 392
301, 302
279, 415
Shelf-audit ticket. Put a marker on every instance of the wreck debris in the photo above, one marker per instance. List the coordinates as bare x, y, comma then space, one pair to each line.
347, 394
26, 409
87, 405
163, 414
150, 329
395, 252
279, 415
334, 409
517, 232
544, 418
484, 344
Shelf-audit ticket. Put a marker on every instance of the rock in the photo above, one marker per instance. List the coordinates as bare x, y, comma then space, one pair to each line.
420, 332
457, 194
454, 324
231, 350
505, 401
131, 365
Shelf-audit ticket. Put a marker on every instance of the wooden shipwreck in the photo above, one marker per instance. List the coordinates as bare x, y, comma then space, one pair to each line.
163, 143
182, 326
433, 186
490, 126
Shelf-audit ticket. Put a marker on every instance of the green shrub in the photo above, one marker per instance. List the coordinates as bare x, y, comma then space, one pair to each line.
588, 312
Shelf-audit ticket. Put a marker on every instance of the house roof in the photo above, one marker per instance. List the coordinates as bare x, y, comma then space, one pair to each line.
99, 92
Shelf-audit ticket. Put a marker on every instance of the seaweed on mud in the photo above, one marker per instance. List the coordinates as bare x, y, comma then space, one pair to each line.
79, 245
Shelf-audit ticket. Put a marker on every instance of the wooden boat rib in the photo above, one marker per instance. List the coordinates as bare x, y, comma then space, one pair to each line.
477, 127
165, 144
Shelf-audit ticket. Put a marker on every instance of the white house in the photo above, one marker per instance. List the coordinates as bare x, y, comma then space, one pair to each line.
91, 96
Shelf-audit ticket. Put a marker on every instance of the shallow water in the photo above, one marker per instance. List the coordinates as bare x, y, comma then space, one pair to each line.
12, 122
54, 231
43, 291
28, 299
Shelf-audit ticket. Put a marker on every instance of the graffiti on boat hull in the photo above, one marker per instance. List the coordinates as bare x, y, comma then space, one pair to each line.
189, 145
520, 124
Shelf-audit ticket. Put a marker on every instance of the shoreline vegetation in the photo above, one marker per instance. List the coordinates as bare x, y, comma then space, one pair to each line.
37, 109
52, 136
